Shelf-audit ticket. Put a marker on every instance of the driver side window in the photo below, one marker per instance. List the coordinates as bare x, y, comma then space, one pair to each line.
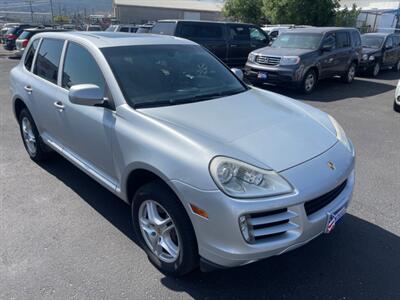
389, 42
330, 40
80, 68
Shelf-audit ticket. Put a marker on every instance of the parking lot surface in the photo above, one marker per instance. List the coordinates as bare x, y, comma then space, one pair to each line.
63, 236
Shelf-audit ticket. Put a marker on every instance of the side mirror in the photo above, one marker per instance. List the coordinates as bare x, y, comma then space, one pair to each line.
86, 94
388, 47
238, 73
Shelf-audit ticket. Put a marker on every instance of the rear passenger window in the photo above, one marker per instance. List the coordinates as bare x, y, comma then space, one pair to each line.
48, 59
80, 68
31, 54
124, 29
342, 40
240, 33
201, 31
167, 28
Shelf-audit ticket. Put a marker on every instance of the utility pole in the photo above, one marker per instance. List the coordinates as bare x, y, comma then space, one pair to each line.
30, 5
52, 11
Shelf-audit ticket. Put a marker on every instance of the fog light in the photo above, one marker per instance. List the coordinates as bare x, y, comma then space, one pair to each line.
244, 228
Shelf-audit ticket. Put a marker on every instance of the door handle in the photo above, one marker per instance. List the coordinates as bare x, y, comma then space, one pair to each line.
59, 105
28, 88
233, 46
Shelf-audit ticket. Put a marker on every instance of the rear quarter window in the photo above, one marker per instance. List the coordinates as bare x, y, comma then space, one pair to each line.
356, 38
167, 28
31, 54
201, 31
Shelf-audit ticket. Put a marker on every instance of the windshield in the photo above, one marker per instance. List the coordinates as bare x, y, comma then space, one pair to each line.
372, 41
298, 40
157, 75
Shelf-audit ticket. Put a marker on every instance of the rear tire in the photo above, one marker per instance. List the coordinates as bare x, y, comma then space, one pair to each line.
152, 239
350, 74
33, 143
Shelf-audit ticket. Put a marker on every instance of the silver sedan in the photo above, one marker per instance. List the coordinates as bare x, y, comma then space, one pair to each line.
218, 174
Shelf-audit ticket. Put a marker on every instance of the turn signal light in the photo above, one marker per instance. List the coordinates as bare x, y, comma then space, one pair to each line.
198, 211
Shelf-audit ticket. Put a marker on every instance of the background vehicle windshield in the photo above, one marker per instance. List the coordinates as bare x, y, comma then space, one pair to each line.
298, 40
372, 41
156, 75
25, 35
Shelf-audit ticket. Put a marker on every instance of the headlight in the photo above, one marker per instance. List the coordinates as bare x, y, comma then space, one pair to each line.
289, 60
371, 57
340, 134
240, 180
252, 57
365, 57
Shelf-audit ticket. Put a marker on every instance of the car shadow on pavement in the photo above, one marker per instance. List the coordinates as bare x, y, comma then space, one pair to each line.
332, 89
359, 260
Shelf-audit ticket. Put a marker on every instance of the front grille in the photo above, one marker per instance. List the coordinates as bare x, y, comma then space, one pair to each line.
316, 204
269, 224
268, 60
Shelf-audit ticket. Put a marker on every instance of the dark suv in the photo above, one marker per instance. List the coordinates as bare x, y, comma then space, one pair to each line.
380, 51
231, 42
301, 57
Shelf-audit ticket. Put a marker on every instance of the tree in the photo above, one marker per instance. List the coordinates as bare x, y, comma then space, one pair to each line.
347, 17
249, 11
301, 12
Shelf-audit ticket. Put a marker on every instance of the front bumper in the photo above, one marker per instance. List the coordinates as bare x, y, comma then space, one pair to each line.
366, 65
219, 237
275, 74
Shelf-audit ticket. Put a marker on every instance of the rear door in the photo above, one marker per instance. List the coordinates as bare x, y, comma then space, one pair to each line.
209, 35
44, 90
344, 51
239, 45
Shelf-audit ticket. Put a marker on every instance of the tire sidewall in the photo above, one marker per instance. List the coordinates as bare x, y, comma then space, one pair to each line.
38, 154
303, 83
157, 192
347, 79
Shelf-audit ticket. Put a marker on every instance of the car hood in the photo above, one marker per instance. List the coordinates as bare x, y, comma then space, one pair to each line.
270, 128
366, 50
282, 51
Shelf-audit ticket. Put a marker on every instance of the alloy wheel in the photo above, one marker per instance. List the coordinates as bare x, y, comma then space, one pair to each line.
159, 231
309, 82
29, 136
352, 73
377, 69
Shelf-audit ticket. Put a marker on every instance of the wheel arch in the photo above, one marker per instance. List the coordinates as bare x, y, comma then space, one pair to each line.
18, 106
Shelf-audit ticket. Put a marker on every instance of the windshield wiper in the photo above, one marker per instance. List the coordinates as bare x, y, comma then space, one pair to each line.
191, 99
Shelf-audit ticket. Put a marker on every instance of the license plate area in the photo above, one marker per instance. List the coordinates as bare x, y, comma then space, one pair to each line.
262, 75
333, 218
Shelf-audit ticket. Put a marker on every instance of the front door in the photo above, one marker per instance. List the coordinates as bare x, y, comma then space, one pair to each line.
389, 53
89, 128
328, 59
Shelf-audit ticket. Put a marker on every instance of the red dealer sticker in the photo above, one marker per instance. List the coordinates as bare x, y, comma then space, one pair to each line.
333, 218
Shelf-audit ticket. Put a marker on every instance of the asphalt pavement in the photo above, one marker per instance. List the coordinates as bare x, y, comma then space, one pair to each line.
63, 236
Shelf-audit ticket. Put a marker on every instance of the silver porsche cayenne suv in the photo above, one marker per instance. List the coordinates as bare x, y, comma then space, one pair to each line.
218, 174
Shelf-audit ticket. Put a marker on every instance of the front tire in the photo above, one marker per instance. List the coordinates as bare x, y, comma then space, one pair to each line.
34, 145
164, 230
396, 106
309, 82
376, 69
